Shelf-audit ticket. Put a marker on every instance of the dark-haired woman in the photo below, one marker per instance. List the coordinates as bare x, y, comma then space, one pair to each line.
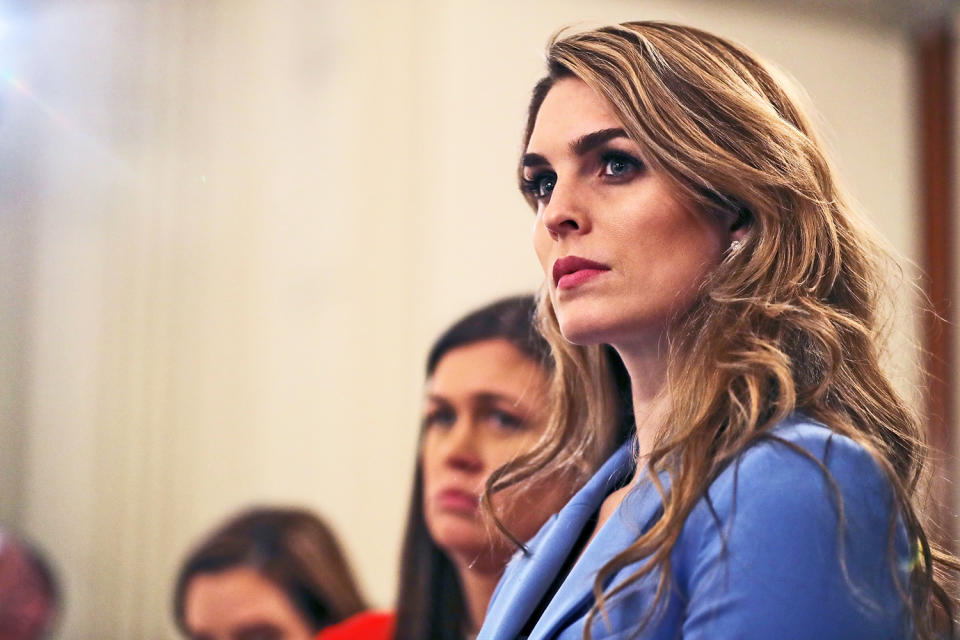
685, 215
266, 574
484, 406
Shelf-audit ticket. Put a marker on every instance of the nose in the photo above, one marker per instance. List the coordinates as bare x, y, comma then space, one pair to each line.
462, 451
565, 212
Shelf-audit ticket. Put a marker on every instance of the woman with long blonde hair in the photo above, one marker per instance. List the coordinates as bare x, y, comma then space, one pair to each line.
687, 217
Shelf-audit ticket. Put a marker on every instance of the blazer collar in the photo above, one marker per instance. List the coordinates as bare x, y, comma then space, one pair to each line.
524, 584
635, 515
638, 511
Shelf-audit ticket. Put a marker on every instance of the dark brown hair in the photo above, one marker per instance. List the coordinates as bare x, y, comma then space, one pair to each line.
430, 603
293, 549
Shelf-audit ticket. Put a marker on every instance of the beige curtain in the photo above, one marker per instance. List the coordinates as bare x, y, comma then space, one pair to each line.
229, 229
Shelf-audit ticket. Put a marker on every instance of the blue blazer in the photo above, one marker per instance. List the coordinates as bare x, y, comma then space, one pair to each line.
759, 560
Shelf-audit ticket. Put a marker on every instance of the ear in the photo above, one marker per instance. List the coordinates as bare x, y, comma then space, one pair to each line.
741, 224
730, 211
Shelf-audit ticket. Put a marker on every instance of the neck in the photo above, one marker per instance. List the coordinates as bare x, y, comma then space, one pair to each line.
647, 368
478, 584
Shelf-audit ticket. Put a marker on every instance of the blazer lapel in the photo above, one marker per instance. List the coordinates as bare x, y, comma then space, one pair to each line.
573, 599
529, 576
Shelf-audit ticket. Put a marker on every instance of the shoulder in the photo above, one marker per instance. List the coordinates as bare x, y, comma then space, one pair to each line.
802, 474
369, 625
802, 460
803, 527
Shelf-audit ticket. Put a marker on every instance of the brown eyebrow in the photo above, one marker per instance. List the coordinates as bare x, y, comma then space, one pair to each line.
258, 630
496, 398
433, 397
481, 398
533, 160
585, 143
580, 146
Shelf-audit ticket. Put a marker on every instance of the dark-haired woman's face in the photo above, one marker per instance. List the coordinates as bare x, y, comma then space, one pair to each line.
621, 250
240, 604
485, 403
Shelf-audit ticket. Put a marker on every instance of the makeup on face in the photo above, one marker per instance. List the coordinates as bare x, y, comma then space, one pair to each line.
484, 405
622, 250
571, 271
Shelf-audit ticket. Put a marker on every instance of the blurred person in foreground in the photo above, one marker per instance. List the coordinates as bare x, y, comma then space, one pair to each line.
29, 594
485, 404
266, 574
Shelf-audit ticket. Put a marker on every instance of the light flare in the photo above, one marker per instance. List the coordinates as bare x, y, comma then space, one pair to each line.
21, 88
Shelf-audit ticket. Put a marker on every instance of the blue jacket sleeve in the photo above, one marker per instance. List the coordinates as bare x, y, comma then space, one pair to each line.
769, 556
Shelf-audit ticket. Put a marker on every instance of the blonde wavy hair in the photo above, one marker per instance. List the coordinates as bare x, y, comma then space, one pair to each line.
792, 321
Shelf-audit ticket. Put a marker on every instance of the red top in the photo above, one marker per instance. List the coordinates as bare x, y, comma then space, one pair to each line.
369, 625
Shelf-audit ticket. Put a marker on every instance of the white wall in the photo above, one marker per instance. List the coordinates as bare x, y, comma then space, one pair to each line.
234, 228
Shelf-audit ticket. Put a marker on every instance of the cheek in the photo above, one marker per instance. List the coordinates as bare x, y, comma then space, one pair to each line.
428, 462
524, 508
498, 453
541, 244
679, 243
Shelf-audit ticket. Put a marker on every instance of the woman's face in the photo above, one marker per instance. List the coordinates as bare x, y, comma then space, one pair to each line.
622, 252
240, 604
485, 403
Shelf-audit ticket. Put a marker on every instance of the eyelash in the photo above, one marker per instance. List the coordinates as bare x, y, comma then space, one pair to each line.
620, 156
534, 185
446, 418
440, 415
507, 420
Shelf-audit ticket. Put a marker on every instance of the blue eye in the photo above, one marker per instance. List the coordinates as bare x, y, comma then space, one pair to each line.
619, 165
439, 418
507, 421
541, 185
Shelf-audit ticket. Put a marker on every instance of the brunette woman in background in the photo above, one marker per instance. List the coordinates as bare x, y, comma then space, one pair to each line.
485, 404
266, 574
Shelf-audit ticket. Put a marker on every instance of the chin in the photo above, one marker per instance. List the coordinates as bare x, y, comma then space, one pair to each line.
616, 323
589, 327
451, 530
467, 545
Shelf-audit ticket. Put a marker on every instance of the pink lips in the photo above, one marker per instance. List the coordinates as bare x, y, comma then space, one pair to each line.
457, 500
573, 271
